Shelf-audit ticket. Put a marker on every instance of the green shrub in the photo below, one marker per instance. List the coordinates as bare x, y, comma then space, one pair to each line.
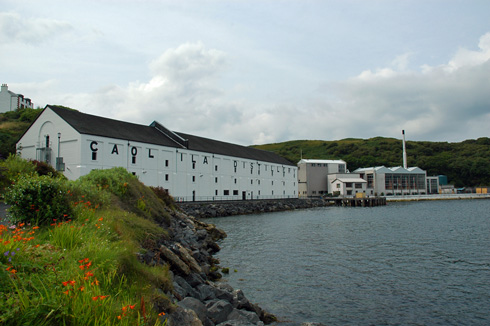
16, 166
43, 168
38, 199
29, 115
84, 192
164, 196
114, 180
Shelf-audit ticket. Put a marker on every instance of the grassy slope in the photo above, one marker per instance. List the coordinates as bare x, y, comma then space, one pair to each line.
83, 269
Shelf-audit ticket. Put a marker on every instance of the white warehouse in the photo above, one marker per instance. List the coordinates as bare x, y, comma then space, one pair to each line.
189, 167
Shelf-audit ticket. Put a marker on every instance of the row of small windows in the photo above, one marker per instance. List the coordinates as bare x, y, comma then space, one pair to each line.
235, 180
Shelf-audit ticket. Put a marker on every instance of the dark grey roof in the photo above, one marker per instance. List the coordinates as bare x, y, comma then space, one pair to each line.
158, 135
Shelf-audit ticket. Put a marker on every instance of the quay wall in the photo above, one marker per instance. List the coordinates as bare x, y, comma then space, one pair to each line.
230, 208
437, 197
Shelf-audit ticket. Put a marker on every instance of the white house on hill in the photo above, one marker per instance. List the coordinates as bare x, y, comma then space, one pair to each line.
188, 166
9, 101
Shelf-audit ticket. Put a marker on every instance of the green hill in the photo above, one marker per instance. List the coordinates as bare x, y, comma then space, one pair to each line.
12, 126
465, 163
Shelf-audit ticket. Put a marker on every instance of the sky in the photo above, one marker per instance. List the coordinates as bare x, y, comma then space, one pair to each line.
257, 72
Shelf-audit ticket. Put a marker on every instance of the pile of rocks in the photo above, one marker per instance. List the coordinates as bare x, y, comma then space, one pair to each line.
225, 208
200, 298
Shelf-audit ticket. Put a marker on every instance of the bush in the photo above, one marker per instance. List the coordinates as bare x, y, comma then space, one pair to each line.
43, 168
12, 168
38, 199
29, 115
114, 180
164, 196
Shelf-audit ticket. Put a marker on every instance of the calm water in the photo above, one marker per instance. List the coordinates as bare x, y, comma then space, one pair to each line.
423, 263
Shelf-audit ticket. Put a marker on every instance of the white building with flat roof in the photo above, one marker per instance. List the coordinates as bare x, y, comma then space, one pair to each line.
188, 166
313, 176
383, 181
10, 101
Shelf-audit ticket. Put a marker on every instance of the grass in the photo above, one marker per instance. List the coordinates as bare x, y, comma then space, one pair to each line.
83, 269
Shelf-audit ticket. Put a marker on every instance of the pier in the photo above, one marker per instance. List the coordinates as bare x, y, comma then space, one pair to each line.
358, 202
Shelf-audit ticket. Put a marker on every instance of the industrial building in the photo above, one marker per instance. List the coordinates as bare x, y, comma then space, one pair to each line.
383, 181
318, 178
10, 101
191, 168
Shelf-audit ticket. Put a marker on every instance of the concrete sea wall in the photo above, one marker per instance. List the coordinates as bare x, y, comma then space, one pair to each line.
220, 209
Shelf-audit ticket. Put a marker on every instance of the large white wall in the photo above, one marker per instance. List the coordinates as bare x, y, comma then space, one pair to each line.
188, 173
185, 173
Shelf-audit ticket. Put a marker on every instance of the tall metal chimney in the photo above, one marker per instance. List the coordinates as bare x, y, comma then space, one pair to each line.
404, 151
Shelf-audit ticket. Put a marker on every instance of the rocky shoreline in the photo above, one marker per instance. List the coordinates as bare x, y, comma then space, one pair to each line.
198, 297
230, 208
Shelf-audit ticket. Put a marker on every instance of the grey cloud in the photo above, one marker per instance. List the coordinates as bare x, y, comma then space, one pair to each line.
15, 28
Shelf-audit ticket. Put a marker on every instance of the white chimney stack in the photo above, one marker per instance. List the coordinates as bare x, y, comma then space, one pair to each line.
404, 151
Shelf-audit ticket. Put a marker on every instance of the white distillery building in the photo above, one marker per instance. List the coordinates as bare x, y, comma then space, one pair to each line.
189, 167
383, 181
9, 101
313, 176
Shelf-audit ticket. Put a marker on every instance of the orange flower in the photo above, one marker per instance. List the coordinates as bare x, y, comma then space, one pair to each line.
96, 282
35, 228
161, 314
69, 283
119, 317
100, 219
13, 271
124, 308
102, 297
95, 298
132, 306
67, 291
82, 288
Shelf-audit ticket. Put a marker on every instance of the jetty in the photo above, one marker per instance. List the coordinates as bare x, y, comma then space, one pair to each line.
357, 201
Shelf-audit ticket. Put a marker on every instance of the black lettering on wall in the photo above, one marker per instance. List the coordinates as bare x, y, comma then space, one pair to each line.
92, 146
150, 155
205, 161
134, 152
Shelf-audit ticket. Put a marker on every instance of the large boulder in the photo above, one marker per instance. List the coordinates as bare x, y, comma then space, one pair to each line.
174, 260
182, 316
219, 311
244, 315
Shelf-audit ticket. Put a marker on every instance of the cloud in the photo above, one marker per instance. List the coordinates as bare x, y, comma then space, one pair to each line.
16, 28
448, 102
439, 102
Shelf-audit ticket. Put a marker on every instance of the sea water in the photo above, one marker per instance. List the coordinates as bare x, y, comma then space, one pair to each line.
417, 263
